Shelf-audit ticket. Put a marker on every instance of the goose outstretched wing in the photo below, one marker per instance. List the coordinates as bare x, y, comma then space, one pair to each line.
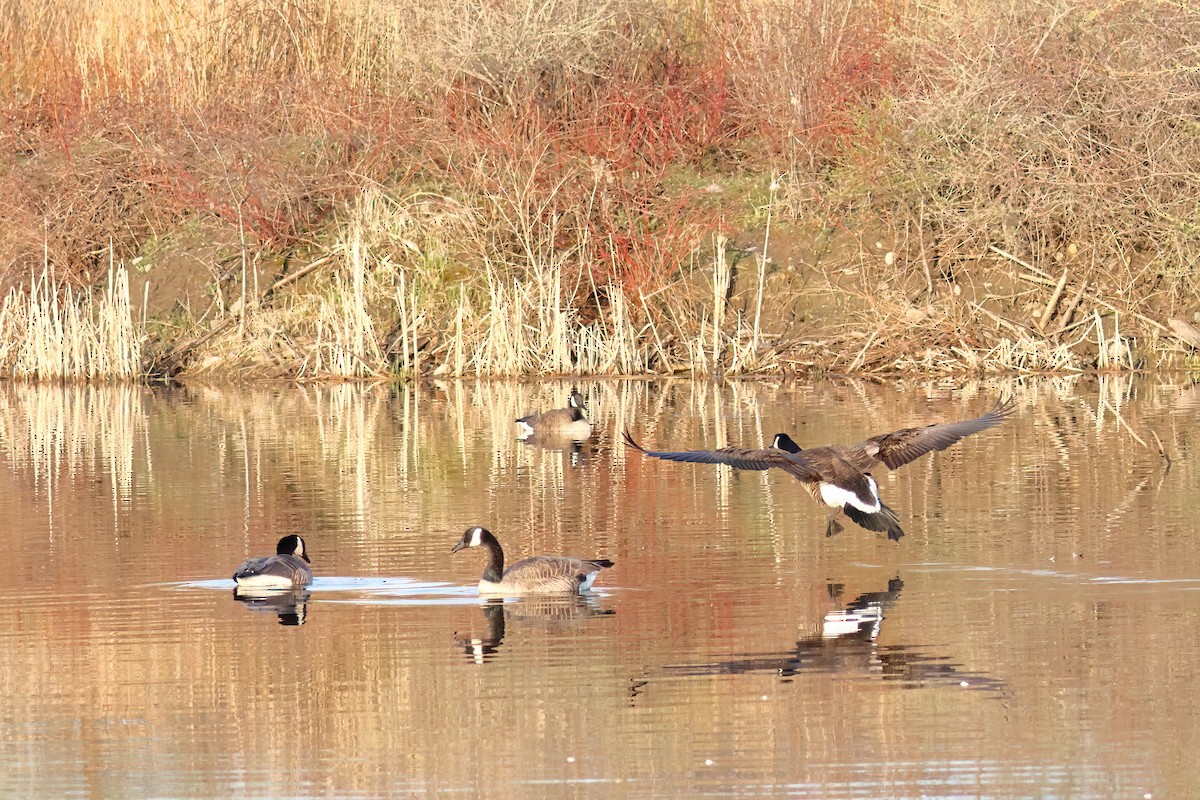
900, 447
737, 457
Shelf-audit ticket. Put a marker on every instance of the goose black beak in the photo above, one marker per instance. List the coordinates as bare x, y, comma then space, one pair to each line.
458, 547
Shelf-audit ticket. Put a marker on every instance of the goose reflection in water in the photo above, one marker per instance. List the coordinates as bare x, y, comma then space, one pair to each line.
291, 606
578, 452
862, 616
846, 644
554, 614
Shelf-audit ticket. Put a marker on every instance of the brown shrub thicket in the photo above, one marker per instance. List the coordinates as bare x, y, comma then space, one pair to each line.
380, 184
1044, 158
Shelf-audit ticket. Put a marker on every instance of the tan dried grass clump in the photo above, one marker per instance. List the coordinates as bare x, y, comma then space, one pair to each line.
390, 303
204, 53
53, 333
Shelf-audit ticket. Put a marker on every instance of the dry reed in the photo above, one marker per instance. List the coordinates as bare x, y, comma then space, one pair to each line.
56, 333
532, 173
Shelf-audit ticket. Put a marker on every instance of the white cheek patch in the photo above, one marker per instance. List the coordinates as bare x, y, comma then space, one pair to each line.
476, 537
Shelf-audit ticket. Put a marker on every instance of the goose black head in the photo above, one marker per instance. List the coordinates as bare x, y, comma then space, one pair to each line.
784, 442
473, 537
292, 545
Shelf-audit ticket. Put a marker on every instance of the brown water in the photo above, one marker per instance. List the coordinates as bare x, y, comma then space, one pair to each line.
1034, 634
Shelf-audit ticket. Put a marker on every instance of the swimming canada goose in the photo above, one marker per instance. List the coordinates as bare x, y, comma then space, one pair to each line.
566, 422
534, 575
838, 475
284, 570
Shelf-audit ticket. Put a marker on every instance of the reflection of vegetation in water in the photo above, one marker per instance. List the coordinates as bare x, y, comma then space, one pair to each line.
708, 584
363, 450
56, 432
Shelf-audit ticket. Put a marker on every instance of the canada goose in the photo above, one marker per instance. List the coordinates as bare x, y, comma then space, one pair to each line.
568, 423
535, 575
286, 569
838, 475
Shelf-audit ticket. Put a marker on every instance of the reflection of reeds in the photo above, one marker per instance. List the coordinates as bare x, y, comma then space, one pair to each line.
55, 333
694, 580
61, 431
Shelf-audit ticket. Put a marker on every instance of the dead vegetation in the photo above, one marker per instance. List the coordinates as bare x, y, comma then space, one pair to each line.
1036, 181
608, 188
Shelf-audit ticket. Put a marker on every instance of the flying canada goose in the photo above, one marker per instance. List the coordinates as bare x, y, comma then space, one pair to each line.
568, 423
839, 476
534, 575
286, 569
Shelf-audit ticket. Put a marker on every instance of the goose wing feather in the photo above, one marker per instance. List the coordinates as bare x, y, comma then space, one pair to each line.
737, 457
552, 573
280, 566
900, 447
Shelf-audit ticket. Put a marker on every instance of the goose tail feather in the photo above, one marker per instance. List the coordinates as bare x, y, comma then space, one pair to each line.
882, 521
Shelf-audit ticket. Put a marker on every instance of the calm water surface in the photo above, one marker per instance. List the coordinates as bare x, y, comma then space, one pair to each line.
1034, 634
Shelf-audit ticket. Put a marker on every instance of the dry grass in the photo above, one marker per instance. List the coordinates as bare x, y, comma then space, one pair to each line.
1046, 173
52, 334
526, 187
392, 304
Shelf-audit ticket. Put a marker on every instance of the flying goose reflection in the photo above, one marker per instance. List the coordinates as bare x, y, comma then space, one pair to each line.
847, 644
839, 476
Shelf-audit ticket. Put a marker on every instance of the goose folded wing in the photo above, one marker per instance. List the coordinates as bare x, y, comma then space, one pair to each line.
551, 572
275, 566
900, 447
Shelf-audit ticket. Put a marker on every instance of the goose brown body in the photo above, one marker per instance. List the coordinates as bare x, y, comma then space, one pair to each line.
568, 423
839, 476
533, 575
